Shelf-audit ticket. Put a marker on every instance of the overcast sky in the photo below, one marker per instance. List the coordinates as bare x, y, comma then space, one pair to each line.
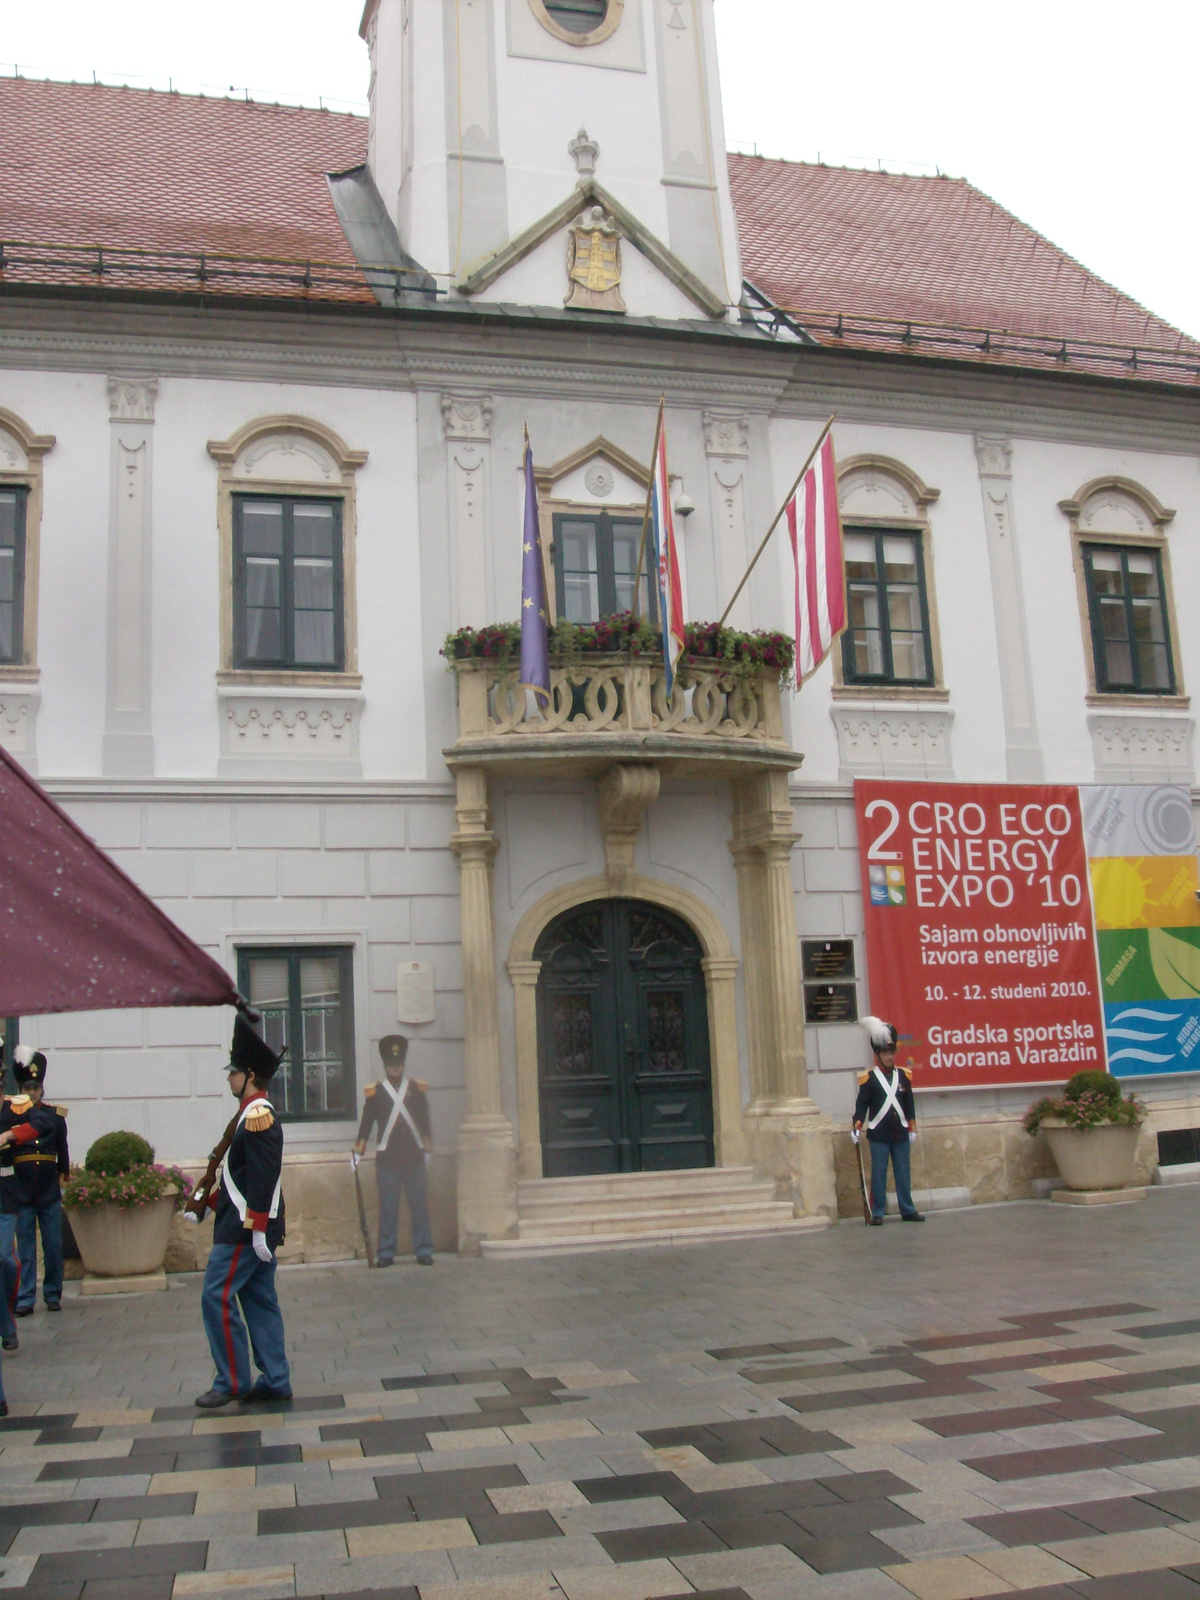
1080, 117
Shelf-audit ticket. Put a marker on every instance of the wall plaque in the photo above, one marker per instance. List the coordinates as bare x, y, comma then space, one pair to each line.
414, 992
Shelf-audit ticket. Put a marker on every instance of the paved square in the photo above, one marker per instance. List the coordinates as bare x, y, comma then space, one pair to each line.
1006, 1400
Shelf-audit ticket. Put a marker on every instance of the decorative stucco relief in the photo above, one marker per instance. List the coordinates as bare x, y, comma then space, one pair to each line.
893, 741
18, 719
289, 731
287, 458
1132, 747
132, 399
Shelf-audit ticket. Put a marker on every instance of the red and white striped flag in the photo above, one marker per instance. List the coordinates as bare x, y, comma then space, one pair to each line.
815, 526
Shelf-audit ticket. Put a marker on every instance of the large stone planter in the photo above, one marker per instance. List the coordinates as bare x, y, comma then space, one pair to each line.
1092, 1158
124, 1242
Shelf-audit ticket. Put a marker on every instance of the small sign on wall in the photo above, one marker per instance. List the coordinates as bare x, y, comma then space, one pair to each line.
414, 992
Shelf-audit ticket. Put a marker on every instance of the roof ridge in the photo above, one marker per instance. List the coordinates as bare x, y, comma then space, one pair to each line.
198, 96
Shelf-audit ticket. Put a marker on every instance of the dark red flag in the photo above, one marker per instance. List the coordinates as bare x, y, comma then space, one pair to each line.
75, 933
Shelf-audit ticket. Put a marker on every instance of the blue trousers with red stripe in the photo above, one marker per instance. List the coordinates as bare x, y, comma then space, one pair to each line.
237, 1286
10, 1276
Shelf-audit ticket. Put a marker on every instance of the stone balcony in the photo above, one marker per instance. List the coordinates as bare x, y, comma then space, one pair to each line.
611, 708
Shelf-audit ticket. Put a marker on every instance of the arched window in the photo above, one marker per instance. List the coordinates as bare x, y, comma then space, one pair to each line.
286, 515
1122, 565
890, 642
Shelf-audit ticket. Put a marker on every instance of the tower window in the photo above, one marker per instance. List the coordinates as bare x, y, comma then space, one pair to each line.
577, 16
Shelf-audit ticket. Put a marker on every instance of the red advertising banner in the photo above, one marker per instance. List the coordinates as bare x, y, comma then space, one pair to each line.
980, 941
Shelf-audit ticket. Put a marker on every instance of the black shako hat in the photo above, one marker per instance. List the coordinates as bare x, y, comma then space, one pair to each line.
29, 1067
882, 1034
250, 1052
393, 1048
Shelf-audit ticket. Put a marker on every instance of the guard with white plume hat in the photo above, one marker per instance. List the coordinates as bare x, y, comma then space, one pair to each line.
886, 1109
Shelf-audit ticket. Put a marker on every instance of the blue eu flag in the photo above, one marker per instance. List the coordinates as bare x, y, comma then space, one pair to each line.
535, 614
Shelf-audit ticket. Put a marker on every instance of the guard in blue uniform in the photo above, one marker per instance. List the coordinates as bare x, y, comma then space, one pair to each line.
39, 1155
398, 1110
239, 1296
886, 1109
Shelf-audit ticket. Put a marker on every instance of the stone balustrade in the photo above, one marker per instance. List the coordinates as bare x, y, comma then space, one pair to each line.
613, 696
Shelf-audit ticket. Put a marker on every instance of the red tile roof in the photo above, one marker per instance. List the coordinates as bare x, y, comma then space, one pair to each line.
835, 240
132, 170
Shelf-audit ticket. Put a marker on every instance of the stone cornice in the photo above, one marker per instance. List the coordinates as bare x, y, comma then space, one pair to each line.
779, 380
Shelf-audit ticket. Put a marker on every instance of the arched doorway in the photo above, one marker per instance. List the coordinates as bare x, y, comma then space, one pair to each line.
624, 1076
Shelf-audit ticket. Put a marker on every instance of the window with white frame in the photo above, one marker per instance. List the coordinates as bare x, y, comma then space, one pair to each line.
305, 994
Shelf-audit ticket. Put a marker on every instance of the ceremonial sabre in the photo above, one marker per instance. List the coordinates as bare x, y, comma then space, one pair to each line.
362, 1219
862, 1178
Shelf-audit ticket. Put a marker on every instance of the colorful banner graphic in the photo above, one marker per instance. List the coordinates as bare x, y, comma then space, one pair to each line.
1141, 846
979, 930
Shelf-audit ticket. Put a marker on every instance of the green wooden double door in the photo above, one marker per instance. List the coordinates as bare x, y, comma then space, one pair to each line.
623, 1059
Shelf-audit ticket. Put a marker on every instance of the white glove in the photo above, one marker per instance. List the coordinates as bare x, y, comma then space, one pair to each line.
190, 1216
261, 1248
355, 1158
854, 1134
912, 1134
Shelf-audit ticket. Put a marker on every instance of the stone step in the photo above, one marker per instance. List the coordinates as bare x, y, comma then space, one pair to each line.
670, 1219
588, 1244
535, 1204
628, 1186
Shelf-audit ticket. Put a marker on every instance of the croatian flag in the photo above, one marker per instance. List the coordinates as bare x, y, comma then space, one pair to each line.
666, 559
815, 526
535, 614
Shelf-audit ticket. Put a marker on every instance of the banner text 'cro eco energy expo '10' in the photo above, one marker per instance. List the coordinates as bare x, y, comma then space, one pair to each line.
979, 930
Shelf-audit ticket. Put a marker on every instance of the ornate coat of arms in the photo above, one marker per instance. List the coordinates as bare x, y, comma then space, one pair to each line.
594, 264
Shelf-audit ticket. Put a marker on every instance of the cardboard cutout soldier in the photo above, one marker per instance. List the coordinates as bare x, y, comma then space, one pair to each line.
397, 1108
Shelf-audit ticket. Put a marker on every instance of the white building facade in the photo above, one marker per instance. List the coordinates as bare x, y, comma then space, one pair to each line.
243, 520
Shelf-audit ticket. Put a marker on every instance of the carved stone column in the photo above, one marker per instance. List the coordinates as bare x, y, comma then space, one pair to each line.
468, 424
1023, 755
128, 743
788, 1138
727, 445
729, 1136
625, 793
525, 975
487, 1186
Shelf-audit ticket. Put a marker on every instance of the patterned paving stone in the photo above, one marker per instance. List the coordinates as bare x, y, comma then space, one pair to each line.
760, 1422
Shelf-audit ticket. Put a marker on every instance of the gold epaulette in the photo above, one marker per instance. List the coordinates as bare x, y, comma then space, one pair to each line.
62, 1110
863, 1076
907, 1071
419, 1083
370, 1090
260, 1121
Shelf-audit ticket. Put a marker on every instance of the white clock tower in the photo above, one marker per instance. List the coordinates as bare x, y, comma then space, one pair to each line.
507, 135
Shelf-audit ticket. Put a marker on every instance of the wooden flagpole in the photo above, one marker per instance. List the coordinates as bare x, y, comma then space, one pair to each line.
637, 577
812, 456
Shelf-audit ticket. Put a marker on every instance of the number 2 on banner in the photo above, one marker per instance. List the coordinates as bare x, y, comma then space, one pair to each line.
876, 852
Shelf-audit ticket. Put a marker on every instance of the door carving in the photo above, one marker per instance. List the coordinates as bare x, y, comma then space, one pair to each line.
624, 1075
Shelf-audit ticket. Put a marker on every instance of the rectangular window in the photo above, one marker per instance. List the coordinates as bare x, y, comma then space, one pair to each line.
830, 986
287, 583
12, 573
595, 562
887, 640
306, 996
1131, 642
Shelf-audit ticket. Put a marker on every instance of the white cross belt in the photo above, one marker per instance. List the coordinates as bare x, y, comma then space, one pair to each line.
892, 1103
